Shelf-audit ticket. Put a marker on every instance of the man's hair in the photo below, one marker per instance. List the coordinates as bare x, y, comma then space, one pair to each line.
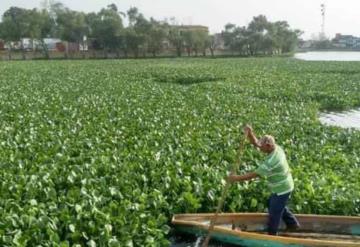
267, 139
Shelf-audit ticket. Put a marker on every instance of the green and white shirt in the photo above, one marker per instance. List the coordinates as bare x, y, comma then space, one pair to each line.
277, 171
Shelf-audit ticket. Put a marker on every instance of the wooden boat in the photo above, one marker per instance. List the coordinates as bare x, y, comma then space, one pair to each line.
248, 229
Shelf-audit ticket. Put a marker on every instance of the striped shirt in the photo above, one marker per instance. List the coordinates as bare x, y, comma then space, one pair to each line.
277, 171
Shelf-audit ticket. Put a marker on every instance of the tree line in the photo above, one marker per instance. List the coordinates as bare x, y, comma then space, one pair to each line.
105, 32
261, 37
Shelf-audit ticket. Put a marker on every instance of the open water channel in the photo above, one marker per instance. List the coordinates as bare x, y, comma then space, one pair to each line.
348, 119
329, 56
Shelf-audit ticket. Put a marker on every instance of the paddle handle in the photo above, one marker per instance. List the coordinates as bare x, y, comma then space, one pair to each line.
224, 192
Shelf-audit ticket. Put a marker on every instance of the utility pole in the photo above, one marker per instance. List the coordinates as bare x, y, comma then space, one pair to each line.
323, 12
45, 4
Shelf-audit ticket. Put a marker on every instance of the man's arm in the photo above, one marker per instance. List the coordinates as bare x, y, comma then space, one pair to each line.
251, 136
245, 177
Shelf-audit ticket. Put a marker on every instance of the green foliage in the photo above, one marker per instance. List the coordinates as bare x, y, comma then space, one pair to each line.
71, 25
105, 31
105, 27
196, 41
322, 44
105, 152
156, 35
15, 25
261, 37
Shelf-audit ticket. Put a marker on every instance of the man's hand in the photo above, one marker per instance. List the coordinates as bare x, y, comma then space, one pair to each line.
244, 177
251, 135
248, 129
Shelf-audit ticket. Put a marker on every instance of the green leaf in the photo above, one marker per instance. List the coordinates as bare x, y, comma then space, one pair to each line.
253, 203
72, 228
91, 243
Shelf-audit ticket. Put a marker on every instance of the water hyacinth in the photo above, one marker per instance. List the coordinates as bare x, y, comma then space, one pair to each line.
102, 153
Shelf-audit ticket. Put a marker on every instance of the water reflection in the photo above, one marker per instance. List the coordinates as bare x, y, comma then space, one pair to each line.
348, 119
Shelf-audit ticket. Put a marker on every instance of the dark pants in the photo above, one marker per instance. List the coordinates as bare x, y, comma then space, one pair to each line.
278, 211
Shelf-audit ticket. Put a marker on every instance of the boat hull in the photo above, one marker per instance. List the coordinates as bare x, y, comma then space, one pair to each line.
235, 240
342, 231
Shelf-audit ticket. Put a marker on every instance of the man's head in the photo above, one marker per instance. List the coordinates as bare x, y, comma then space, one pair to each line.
267, 143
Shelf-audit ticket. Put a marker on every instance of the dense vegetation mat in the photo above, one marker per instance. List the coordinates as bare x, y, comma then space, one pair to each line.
102, 153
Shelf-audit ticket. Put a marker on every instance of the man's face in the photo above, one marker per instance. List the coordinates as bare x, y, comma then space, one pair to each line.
266, 148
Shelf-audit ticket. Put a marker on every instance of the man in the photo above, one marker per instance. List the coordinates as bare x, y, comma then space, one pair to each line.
276, 169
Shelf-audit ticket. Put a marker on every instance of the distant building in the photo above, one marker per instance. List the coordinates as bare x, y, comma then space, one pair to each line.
346, 41
193, 28
51, 43
30, 44
219, 41
305, 44
83, 46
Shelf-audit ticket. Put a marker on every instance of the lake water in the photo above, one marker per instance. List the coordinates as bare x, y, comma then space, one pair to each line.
348, 119
329, 56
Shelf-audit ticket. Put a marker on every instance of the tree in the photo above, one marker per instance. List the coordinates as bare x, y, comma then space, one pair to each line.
200, 41
229, 36
212, 44
132, 14
285, 39
156, 36
133, 41
236, 38
106, 32
195, 40
322, 44
261, 37
6, 28
105, 28
176, 39
41, 27
259, 24
139, 32
258, 29
188, 41
15, 27
71, 26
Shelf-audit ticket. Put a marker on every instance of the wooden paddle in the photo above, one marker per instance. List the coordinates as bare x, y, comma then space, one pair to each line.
234, 169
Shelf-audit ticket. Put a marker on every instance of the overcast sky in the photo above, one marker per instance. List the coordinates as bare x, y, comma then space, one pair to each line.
342, 16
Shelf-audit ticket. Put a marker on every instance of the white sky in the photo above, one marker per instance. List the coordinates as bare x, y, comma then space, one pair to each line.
342, 16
